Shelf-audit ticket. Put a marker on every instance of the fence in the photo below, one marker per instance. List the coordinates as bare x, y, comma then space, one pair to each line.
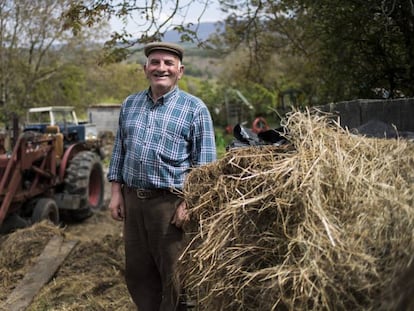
396, 112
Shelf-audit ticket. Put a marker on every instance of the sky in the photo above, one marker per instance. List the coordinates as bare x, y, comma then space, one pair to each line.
212, 14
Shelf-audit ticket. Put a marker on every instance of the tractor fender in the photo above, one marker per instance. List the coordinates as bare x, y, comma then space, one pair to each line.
70, 152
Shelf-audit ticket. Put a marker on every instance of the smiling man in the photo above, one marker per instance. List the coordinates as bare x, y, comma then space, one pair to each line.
163, 132
163, 67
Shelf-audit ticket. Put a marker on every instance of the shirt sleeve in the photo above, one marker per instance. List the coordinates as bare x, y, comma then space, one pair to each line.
117, 158
203, 144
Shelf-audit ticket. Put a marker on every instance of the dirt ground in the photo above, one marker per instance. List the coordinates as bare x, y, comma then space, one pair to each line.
90, 278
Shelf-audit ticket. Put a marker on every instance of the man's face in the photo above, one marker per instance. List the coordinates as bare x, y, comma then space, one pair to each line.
163, 70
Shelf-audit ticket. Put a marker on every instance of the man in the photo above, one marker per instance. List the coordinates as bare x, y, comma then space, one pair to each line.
163, 132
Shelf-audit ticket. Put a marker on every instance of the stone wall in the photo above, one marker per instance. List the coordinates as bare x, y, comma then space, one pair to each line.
105, 117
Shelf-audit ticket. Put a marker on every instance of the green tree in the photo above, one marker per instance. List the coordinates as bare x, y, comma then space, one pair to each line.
33, 48
364, 47
329, 50
153, 18
337, 50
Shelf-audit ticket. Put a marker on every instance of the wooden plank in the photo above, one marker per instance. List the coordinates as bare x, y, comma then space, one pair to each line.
42, 272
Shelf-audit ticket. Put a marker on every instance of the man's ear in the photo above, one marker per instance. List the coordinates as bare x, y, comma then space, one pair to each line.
181, 71
144, 67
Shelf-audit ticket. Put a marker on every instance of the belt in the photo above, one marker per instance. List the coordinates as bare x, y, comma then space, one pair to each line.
149, 193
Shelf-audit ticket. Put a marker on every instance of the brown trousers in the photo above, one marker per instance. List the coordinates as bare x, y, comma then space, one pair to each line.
152, 247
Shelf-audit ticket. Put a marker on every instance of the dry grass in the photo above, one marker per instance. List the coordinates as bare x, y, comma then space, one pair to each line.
324, 223
90, 278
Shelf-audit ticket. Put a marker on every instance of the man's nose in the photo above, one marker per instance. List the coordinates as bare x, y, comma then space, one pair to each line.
161, 66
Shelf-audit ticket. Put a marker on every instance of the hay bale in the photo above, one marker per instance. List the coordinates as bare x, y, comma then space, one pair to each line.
325, 222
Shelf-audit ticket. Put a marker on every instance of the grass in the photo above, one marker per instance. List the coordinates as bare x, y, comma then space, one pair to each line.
222, 141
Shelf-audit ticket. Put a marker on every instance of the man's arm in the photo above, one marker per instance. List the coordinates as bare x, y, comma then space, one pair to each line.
203, 143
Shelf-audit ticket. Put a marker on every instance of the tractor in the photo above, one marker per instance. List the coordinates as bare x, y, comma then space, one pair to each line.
54, 169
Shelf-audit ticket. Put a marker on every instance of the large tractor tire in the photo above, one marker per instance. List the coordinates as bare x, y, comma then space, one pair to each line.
84, 177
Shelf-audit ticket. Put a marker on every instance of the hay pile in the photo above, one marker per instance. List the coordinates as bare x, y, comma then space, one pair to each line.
18, 251
90, 278
324, 223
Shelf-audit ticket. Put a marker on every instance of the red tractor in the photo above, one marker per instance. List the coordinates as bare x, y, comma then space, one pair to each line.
54, 168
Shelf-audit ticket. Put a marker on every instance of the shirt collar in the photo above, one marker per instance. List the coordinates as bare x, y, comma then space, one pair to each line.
166, 97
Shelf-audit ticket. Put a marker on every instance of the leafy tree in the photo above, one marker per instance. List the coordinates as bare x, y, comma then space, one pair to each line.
113, 82
328, 50
66, 89
337, 50
365, 46
153, 18
33, 48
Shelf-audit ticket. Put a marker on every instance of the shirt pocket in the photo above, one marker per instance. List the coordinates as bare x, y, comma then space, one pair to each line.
173, 148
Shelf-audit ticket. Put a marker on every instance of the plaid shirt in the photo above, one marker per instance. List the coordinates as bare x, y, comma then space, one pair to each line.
157, 144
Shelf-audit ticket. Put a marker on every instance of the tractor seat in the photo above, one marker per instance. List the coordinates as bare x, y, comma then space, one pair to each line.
54, 130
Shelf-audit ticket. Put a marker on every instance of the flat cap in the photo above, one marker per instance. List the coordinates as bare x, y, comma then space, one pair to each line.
164, 46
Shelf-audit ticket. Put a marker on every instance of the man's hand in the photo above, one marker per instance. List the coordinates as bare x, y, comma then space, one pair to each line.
117, 210
181, 215
116, 205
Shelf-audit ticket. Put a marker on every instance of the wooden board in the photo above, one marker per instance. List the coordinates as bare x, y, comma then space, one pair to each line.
42, 272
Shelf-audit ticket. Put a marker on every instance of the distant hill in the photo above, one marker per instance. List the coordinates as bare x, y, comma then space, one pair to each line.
204, 31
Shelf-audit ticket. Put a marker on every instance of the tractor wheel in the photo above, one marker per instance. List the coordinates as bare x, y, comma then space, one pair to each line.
46, 208
84, 177
12, 223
